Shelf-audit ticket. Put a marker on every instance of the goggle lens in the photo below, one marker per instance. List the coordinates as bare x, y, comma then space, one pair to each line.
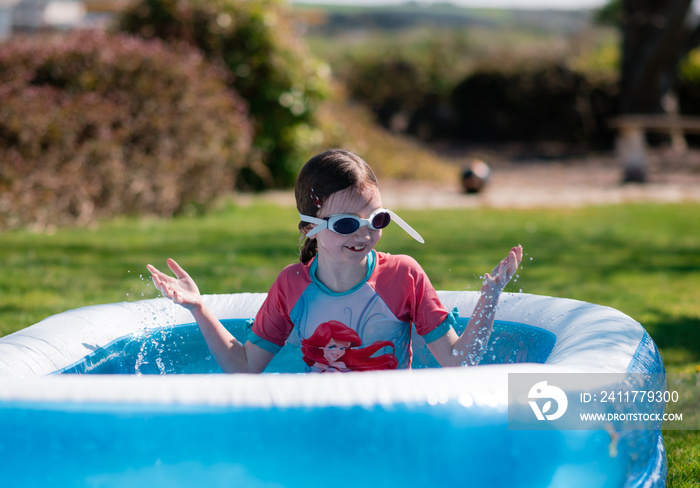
381, 220
348, 225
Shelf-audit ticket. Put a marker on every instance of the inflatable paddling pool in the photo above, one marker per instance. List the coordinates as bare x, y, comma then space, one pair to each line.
97, 397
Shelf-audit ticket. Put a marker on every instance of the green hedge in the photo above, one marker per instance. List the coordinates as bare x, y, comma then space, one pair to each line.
269, 67
471, 85
546, 102
550, 103
94, 125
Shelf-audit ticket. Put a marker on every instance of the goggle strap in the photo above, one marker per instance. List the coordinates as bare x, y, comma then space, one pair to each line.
320, 224
404, 225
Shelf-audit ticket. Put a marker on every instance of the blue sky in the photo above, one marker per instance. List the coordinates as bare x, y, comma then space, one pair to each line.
527, 4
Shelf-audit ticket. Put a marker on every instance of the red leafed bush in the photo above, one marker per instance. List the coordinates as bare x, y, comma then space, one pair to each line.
95, 125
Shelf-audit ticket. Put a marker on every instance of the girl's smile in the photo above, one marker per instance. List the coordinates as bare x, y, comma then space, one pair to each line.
357, 248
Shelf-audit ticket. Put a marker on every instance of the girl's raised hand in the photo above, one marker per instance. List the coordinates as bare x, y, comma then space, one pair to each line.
502, 274
181, 289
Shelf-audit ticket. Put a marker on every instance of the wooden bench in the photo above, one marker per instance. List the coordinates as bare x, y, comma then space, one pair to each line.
631, 138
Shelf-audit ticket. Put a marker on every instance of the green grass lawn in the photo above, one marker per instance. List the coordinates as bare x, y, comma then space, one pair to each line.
642, 259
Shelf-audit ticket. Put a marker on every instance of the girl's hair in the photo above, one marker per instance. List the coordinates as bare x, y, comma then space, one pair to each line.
355, 359
323, 175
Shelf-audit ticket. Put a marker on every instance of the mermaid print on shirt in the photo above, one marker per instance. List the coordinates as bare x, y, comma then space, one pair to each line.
336, 347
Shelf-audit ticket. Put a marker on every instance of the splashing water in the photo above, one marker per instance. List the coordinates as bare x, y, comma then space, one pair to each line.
141, 290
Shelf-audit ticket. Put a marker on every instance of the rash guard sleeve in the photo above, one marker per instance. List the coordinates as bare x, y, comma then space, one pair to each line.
273, 324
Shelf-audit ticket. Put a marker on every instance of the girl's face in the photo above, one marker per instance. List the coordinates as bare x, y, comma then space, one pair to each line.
351, 248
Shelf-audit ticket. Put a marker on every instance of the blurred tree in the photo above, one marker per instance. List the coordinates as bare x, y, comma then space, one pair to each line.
268, 64
656, 36
610, 13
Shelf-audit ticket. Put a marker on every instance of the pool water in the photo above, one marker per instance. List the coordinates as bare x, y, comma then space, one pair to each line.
181, 349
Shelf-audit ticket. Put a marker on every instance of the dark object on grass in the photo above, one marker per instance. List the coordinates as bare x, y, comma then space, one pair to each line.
475, 177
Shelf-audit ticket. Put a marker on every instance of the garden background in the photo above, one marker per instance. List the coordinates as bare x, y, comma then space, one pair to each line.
118, 149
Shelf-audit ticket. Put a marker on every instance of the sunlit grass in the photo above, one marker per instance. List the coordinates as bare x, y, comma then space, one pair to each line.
642, 259
683, 450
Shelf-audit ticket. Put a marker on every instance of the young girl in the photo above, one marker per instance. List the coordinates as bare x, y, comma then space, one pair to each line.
342, 279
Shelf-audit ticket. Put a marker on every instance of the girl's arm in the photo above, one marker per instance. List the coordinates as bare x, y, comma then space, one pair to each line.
230, 354
469, 348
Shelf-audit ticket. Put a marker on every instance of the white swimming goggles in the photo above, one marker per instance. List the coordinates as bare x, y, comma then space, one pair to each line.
345, 224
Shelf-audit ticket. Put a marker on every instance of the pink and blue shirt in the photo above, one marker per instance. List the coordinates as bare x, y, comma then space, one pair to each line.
366, 327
